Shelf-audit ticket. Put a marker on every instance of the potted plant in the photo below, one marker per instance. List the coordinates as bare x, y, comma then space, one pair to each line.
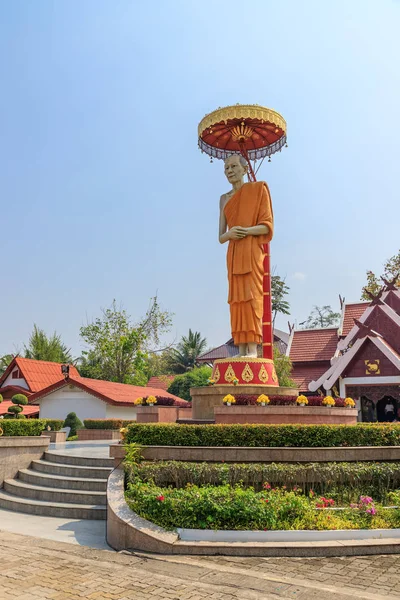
328, 401
138, 402
301, 400
349, 403
263, 400
210, 381
151, 400
229, 399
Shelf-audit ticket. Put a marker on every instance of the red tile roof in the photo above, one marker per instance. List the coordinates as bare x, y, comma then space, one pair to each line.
162, 382
28, 410
38, 374
351, 312
303, 374
120, 394
313, 344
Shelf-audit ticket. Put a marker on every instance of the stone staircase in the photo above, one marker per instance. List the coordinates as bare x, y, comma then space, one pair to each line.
60, 486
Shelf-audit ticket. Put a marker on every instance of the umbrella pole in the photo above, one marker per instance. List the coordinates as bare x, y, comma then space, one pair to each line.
267, 329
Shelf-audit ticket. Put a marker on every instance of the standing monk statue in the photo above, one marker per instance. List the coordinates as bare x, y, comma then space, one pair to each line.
247, 222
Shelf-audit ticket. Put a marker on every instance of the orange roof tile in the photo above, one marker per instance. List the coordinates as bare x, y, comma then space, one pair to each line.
304, 374
27, 410
162, 382
109, 391
351, 312
39, 374
313, 344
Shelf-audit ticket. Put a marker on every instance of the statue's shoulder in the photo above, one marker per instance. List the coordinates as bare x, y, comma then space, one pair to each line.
255, 185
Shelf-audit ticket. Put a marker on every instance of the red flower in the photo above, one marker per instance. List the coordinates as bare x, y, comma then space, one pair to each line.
160, 498
267, 486
266, 500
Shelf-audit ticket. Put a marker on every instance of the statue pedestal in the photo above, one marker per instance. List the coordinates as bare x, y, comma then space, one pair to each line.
245, 371
205, 399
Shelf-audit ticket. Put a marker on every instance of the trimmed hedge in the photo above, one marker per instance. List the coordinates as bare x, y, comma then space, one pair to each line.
114, 424
344, 480
55, 424
20, 427
274, 436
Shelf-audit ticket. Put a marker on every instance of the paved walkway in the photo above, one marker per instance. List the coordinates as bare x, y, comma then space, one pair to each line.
89, 449
36, 569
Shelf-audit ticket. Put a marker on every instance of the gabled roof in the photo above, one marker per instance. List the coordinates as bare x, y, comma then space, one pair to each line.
364, 317
161, 383
351, 311
119, 394
309, 345
303, 374
38, 374
28, 410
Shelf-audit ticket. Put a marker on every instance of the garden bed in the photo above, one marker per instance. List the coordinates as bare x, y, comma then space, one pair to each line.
285, 414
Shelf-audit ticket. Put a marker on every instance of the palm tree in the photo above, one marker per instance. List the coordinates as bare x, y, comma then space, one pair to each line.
42, 347
184, 357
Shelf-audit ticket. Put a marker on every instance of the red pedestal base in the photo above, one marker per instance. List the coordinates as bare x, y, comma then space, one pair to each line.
245, 371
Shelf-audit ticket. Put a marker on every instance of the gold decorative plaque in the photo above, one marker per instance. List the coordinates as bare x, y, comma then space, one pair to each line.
263, 375
230, 374
274, 375
217, 374
247, 374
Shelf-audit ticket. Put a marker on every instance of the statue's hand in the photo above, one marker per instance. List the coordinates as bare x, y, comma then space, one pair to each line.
237, 233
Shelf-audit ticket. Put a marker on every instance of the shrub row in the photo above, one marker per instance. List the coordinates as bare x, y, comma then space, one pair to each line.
345, 481
114, 424
166, 434
251, 400
19, 427
166, 401
54, 424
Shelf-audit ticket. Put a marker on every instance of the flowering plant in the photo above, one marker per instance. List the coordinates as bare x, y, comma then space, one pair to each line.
123, 432
328, 401
229, 399
349, 402
138, 401
211, 381
302, 400
263, 399
235, 381
151, 400
325, 502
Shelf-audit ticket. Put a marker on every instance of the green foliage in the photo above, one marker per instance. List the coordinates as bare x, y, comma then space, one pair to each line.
54, 424
321, 317
273, 436
345, 482
391, 270
118, 348
42, 347
184, 357
19, 399
1, 398
283, 368
22, 427
279, 290
158, 364
15, 410
113, 424
4, 362
242, 508
73, 422
72, 438
182, 383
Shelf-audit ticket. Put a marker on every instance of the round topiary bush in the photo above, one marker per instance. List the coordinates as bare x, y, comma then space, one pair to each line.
19, 400
182, 383
73, 422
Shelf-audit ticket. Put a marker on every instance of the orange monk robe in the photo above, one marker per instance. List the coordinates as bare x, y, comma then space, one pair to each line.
250, 206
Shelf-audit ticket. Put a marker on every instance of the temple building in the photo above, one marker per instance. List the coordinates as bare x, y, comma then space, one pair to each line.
360, 359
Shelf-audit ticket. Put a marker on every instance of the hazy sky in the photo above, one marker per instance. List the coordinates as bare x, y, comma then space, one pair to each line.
105, 195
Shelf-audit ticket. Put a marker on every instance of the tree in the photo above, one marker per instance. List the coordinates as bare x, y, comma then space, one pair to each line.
158, 364
391, 269
195, 378
4, 362
283, 368
118, 348
322, 316
73, 422
18, 400
42, 347
184, 357
279, 290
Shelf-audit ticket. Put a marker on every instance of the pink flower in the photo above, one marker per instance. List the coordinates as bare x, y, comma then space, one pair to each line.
160, 498
371, 511
267, 486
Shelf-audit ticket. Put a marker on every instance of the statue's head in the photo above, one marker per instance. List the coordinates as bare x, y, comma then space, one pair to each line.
235, 168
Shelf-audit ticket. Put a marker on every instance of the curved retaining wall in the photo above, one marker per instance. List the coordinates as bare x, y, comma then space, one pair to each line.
127, 531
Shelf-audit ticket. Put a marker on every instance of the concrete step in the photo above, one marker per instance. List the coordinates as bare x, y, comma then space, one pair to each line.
51, 509
82, 461
36, 492
61, 481
67, 470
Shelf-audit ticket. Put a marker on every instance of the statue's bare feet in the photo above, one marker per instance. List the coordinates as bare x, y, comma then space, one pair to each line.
252, 350
242, 350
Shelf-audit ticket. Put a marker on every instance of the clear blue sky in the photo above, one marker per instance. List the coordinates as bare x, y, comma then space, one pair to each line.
105, 195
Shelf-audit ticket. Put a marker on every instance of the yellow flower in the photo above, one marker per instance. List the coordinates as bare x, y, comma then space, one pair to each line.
263, 399
328, 401
229, 399
123, 431
138, 401
151, 400
302, 400
211, 381
349, 402
1, 431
